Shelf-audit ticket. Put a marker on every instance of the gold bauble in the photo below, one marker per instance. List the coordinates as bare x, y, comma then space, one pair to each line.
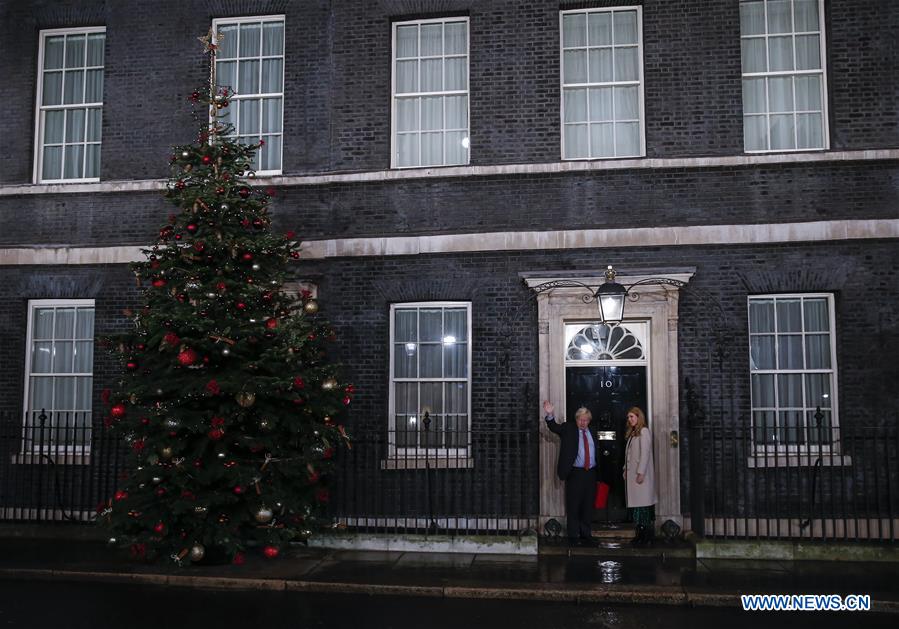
310, 307
329, 384
200, 510
245, 399
197, 552
166, 453
264, 515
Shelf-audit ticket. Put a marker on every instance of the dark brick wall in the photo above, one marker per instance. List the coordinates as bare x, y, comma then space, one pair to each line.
338, 77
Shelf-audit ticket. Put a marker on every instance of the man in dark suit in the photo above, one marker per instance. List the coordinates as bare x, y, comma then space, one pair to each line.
577, 467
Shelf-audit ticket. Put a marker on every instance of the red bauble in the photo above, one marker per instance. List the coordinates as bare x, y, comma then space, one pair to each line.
118, 411
187, 357
171, 338
215, 434
240, 305
199, 247
195, 96
192, 228
328, 453
271, 324
160, 491
258, 224
298, 382
323, 495
217, 422
180, 185
238, 490
220, 190
346, 401
220, 286
295, 255
267, 296
247, 256
239, 559
145, 421
159, 527
270, 551
120, 495
131, 365
245, 222
207, 159
244, 193
158, 283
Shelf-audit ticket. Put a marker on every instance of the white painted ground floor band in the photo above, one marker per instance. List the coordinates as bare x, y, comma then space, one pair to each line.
694, 235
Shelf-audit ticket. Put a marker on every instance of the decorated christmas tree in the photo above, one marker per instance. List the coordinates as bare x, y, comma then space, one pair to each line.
227, 401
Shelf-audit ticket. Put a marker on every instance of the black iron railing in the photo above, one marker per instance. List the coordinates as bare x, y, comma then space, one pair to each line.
815, 482
479, 482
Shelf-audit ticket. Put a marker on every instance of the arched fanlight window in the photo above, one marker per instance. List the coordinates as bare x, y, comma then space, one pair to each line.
601, 341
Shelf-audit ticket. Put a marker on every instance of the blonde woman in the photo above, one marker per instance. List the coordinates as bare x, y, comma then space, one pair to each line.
639, 475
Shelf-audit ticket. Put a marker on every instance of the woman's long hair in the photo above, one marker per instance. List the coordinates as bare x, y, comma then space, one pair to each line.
634, 431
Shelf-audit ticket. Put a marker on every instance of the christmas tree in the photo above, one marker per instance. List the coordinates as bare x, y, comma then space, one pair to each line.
227, 402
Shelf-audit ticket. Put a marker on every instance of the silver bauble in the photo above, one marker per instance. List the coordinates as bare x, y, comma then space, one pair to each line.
264, 515
197, 552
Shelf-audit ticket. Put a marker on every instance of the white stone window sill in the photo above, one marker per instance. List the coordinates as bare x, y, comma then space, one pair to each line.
798, 459
435, 462
57, 458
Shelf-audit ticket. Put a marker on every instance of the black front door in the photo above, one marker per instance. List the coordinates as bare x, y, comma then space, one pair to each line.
608, 392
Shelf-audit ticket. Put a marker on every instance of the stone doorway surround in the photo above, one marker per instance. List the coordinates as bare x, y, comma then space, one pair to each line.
657, 304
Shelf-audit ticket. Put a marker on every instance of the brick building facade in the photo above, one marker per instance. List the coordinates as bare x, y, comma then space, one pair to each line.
799, 223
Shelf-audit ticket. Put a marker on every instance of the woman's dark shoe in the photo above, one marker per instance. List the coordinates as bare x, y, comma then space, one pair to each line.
639, 536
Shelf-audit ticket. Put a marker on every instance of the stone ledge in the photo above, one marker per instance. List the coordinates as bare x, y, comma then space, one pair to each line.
481, 544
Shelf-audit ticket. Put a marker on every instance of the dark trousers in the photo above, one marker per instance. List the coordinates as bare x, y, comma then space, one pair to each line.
580, 490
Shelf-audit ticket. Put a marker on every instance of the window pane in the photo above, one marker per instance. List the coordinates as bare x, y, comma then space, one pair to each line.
806, 12
817, 351
63, 351
789, 351
762, 390
83, 386
754, 55
227, 41
74, 161
601, 65
431, 148
249, 116
405, 325
782, 136
627, 139
226, 73
65, 323
576, 141
752, 18
789, 390
456, 112
754, 96
271, 115
455, 147
456, 397
780, 53
93, 89
456, 70
431, 38
84, 356
456, 38
602, 138
432, 75
574, 30
53, 127
456, 323
41, 394
407, 149
809, 131
248, 78
272, 72
779, 16
63, 394
626, 64
405, 360
406, 76
94, 124
625, 27
575, 64
791, 430
271, 153
789, 315
576, 105
406, 398
455, 360
764, 424
780, 94
95, 44
407, 114
92, 160
431, 360
431, 324
761, 351
250, 40
41, 354
601, 108
73, 87
75, 51
431, 116
53, 52
75, 125
817, 318
818, 431
817, 387
600, 28
51, 167
42, 323
755, 133
626, 103
406, 41
808, 52
431, 396
808, 93
273, 38
51, 93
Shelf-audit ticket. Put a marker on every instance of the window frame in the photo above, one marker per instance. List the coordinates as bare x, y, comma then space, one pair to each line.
456, 456
218, 23
781, 449
641, 105
39, 109
393, 94
825, 127
51, 446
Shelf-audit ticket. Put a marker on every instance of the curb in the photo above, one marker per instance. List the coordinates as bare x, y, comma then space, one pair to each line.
645, 595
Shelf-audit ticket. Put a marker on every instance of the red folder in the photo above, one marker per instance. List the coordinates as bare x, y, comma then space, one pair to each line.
602, 495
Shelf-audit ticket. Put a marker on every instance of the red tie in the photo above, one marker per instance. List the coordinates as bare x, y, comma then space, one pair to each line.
586, 451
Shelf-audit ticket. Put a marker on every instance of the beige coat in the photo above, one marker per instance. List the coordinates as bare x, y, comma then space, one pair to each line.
638, 460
